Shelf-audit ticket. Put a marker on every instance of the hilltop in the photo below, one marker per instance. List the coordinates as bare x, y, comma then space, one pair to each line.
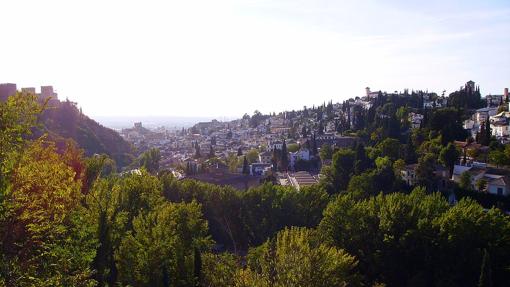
63, 120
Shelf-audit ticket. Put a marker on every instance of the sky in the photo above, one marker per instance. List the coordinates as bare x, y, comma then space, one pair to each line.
225, 58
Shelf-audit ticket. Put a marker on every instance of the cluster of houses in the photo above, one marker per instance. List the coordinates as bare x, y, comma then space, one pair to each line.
496, 113
483, 178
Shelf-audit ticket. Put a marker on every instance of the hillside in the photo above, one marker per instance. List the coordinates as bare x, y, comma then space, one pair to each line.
63, 120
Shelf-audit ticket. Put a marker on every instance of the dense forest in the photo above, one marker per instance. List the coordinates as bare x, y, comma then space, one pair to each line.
69, 219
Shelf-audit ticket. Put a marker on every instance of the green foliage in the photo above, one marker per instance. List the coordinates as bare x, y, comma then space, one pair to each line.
252, 155
465, 181
150, 160
448, 122
269, 208
17, 116
342, 168
498, 157
326, 152
389, 148
417, 239
448, 156
161, 244
44, 239
220, 270
63, 120
297, 258
425, 170
292, 147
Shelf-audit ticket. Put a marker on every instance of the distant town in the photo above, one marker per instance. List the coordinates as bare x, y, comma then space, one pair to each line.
288, 148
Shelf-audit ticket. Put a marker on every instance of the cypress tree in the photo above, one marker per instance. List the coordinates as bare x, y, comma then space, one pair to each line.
197, 150
485, 271
320, 128
314, 145
246, 169
488, 133
285, 158
197, 260
411, 156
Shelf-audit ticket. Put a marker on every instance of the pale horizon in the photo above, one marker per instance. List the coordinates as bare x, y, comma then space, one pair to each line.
221, 59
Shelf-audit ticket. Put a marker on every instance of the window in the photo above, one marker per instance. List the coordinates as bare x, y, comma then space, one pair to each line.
500, 191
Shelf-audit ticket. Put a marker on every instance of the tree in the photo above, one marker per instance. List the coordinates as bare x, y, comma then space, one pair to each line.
498, 157
219, 270
410, 151
239, 151
320, 128
448, 156
284, 157
398, 166
481, 184
161, 244
197, 266
297, 258
246, 168
18, 115
211, 152
486, 271
465, 181
197, 150
292, 147
252, 155
342, 168
425, 170
150, 160
46, 239
304, 131
326, 152
485, 133
362, 161
313, 145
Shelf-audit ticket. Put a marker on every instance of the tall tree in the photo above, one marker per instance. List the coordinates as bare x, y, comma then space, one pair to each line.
197, 150
448, 156
284, 157
486, 271
246, 168
150, 160
211, 152
342, 168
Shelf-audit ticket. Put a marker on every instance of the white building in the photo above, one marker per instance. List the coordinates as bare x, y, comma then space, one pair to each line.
302, 154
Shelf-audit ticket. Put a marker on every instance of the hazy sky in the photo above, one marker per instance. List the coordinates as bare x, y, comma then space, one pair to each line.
225, 58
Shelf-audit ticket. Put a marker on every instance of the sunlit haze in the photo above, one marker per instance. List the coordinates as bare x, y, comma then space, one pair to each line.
225, 58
